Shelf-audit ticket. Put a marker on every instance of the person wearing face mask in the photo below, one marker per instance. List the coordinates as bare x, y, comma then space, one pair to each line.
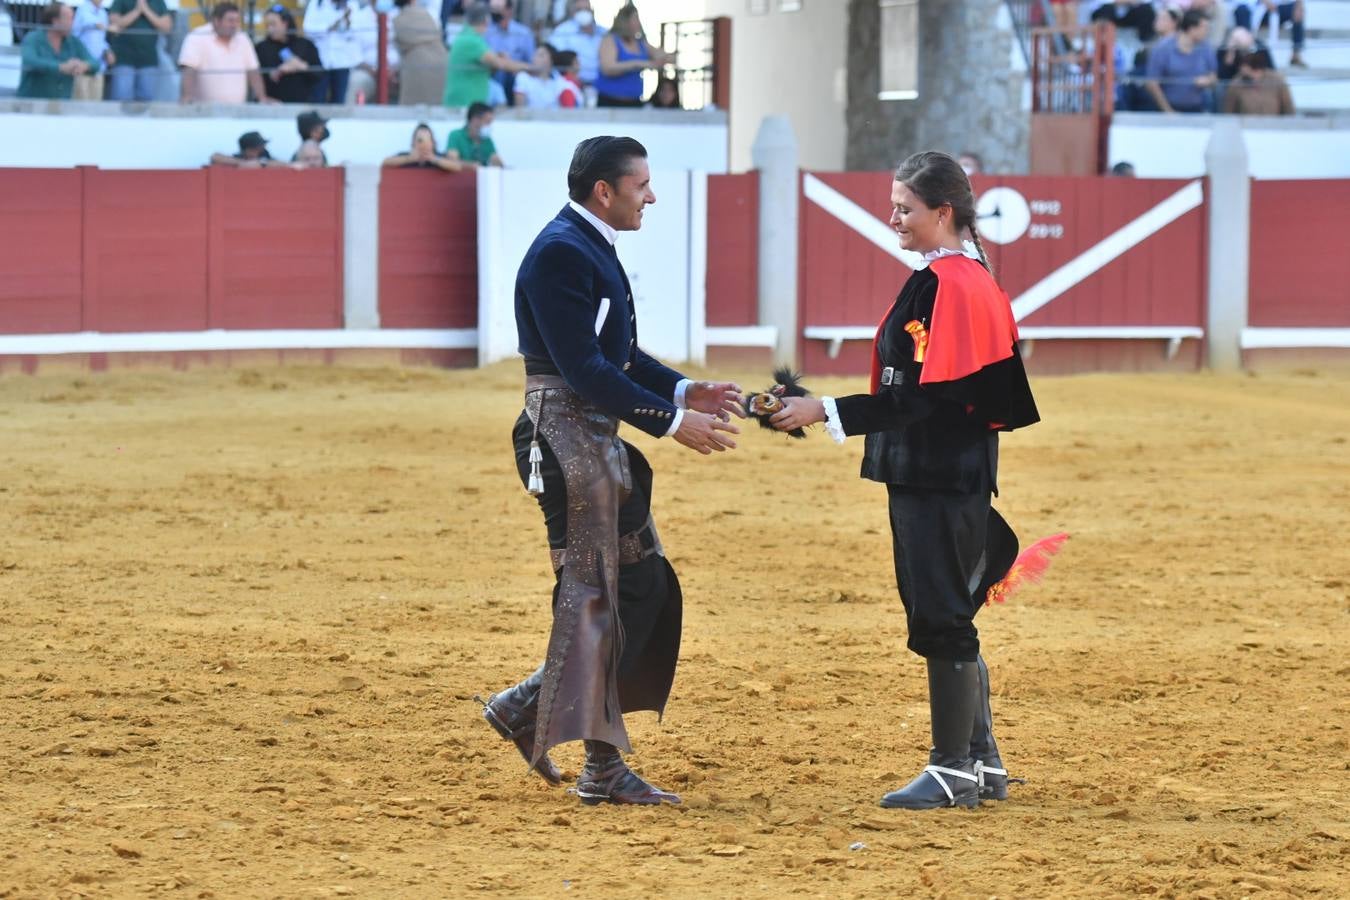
472, 62
509, 39
472, 144
582, 35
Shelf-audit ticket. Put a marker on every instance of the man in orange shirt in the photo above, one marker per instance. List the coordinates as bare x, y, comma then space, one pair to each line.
218, 62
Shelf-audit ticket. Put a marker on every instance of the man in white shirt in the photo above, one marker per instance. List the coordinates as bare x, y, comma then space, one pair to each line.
582, 36
330, 24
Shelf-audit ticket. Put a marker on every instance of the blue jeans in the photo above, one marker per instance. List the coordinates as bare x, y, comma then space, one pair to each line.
1242, 18
332, 87
133, 84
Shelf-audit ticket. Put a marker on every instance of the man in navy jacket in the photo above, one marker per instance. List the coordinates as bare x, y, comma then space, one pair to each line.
616, 601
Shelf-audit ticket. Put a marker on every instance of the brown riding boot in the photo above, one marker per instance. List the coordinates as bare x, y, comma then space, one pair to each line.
607, 779
511, 714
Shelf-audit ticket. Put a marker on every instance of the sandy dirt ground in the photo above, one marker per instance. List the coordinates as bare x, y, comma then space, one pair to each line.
245, 612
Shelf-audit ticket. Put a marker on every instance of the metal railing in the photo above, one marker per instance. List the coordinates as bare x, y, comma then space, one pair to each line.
699, 48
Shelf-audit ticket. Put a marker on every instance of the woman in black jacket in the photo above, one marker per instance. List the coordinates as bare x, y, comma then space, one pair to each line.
946, 378
289, 60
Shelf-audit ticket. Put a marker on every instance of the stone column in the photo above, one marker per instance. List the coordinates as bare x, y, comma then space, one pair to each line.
774, 154
361, 247
1230, 201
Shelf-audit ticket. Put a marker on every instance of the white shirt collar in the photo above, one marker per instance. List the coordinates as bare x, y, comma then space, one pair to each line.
967, 249
606, 232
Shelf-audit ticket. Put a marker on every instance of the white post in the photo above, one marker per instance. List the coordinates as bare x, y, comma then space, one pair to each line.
496, 312
361, 247
698, 268
775, 156
1229, 243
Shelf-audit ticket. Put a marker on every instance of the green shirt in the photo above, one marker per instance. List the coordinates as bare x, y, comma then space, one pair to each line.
135, 46
481, 152
41, 76
466, 78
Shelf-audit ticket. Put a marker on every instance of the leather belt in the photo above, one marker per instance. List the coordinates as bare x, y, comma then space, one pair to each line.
541, 382
634, 547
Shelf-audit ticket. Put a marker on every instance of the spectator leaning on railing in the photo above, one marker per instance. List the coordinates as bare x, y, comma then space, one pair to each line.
91, 28
473, 144
422, 154
289, 60
51, 57
218, 62
137, 25
1181, 69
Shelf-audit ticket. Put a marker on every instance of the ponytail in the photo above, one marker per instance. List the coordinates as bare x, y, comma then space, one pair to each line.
979, 248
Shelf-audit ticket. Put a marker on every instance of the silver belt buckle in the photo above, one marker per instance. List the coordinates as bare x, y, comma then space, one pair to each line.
888, 375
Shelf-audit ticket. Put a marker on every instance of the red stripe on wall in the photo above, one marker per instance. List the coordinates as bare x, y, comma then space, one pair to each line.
41, 275
1300, 273
428, 249
281, 248
733, 249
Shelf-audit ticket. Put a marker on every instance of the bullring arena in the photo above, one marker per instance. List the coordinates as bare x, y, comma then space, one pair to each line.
246, 611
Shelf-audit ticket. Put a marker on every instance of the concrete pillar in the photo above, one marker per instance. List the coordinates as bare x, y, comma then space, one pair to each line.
775, 156
1230, 201
361, 247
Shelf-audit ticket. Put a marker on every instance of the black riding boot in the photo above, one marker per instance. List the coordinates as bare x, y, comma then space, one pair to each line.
989, 768
512, 713
949, 778
607, 779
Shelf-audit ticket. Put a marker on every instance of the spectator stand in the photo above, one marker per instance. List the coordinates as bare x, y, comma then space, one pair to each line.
702, 70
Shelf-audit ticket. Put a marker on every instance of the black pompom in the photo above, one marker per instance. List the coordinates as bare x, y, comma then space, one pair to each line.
764, 404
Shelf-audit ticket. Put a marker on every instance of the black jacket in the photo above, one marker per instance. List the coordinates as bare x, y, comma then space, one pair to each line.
939, 436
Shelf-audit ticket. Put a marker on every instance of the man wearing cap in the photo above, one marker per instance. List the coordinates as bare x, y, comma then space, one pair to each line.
616, 601
252, 153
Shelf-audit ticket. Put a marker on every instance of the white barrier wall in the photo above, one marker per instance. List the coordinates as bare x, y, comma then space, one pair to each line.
664, 259
164, 136
1162, 146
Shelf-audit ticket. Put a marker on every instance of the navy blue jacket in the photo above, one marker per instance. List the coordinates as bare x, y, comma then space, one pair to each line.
566, 274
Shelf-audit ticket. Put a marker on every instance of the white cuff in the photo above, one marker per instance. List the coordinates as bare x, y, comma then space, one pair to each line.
678, 399
679, 417
832, 424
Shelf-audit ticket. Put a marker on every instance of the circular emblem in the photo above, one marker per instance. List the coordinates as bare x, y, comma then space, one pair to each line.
1002, 215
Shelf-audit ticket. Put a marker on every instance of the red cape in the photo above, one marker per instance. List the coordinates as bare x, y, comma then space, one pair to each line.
973, 324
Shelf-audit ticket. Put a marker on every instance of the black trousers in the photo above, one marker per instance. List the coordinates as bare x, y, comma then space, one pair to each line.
650, 600
950, 547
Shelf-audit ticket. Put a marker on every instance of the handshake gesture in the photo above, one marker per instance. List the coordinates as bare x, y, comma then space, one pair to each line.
706, 425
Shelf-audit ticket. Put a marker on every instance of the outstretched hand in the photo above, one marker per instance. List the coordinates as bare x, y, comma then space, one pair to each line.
798, 412
705, 433
717, 398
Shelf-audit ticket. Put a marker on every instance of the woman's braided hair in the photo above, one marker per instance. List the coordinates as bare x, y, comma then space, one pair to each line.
939, 180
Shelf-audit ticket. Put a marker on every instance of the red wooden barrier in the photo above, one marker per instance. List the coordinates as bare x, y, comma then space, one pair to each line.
276, 248
145, 236
1298, 277
40, 251
1049, 223
428, 249
733, 249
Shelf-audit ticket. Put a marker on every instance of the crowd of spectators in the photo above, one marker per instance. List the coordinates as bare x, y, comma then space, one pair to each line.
1197, 56
479, 51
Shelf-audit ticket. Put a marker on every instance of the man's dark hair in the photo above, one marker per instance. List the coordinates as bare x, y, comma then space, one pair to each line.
219, 11
50, 13
605, 158
476, 15
563, 59
477, 111
1192, 18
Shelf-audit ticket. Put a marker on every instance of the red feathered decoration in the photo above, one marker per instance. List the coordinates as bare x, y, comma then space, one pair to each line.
1028, 568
